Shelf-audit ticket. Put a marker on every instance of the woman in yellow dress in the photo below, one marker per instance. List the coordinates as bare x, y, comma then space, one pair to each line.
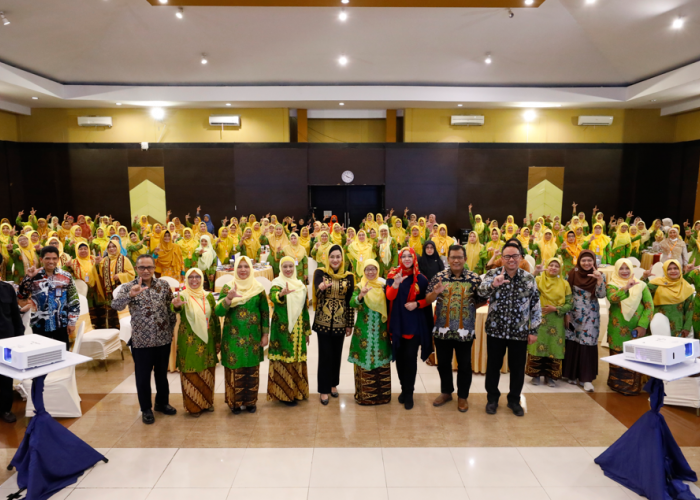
168, 258
113, 270
297, 252
359, 251
398, 233
337, 237
443, 241
319, 252
305, 239
278, 241
224, 246
249, 246
416, 241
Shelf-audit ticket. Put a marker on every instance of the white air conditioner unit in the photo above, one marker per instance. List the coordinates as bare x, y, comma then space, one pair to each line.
95, 121
467, 120
604, 121
226, 121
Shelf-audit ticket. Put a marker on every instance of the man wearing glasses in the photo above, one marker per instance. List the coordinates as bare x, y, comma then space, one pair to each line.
152, 324
514, 315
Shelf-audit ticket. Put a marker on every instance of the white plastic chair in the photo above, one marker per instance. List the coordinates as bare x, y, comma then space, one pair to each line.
172, 282
657, 270
26, 321
635, 261
638, 272
98, 344
82, 287
313, 265
530, 260
61, 396
266, 283
221, 281
660, 325
124, 320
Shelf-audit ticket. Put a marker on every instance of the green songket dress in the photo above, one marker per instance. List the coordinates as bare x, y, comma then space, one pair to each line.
544, 357
370, 353
288, 379
693, 277
679, 315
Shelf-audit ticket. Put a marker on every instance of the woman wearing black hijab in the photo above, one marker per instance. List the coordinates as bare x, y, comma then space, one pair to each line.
430, 262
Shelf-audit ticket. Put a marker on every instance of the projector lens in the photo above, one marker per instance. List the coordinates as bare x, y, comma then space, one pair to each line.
688, 349
7, 354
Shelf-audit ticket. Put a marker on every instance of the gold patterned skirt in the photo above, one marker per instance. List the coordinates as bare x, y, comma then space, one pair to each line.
624, 381
198, 390
372, 387
287, 381
242, 386
537, 366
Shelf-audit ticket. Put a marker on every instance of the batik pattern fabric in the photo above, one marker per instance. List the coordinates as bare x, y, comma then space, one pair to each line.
244, 326
624, 381
241, 386
55, 297
287, 344
619, 329
551, 334
539, 366
514, 308
287, 382
680, 315
693, 277
455, 310
585, 316
370, 346
193, 354
372, 387
198, 390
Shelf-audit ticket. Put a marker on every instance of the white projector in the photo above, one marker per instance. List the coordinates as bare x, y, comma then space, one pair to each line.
31, 351
661, 350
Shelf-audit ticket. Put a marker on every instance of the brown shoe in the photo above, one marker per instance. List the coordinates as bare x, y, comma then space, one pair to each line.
462, 405
442, 399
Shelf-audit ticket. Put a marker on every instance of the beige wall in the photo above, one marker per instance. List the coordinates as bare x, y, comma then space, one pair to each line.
8, 127
347, 130
136, 125
688, 127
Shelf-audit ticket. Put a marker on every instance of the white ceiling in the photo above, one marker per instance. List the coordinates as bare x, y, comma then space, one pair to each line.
144, 53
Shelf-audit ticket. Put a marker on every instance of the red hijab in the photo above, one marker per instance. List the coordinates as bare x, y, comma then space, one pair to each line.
405, 272
87, 232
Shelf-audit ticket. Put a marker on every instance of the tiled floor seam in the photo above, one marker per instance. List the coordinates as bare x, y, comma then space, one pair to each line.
533, 472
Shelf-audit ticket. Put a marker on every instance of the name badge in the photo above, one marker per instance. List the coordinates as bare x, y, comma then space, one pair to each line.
296, 262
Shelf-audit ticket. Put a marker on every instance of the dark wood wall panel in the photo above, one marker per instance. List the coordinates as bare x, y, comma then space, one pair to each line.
46, 179
326, 164
5, 189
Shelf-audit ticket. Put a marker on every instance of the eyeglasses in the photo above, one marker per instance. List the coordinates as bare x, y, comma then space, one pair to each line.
510, 257
149, 268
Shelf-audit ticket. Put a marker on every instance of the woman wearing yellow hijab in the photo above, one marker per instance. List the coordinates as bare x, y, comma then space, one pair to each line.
524, 239
169, 258
305, 239
631, 310
475, 254
369, 223
398, 233
188, 244
123, 235
547, 247
277, 240
143, 227
359, 251
249, 245
337, 237
673, 297
24, 257
298, 254
415, 241
422, 226
544, 357
495, 244
198, 341
320, 250
6, 247
510, 232
100, 241
206, 261
569, 252
387, 251
509, 220
135, 248
155, 237
113, 270
478, 226
243, 304
622, 245
442, 241
636, 242
288, 379
599, 243
370, 347
224, 246
258, 234
75, 238
84, 267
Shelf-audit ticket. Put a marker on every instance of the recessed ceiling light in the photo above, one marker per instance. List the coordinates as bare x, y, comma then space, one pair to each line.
228, 104
678, 23
163, 1
5, 20
488, 59
529, 2
157, 113
459, 105
590, 2
180, 13
35, 98
204, 59
652, 100
341, 104
342, 60
345, 1
343, 16
119, 104
529, 115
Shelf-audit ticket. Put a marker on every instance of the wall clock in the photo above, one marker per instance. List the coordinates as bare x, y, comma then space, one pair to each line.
348, 176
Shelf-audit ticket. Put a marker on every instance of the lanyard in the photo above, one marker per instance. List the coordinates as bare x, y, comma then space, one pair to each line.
203, 308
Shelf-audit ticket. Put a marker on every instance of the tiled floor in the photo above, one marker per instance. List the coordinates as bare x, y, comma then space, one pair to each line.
347, 474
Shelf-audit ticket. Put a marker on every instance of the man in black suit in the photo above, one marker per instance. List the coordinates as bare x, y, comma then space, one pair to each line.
10, 326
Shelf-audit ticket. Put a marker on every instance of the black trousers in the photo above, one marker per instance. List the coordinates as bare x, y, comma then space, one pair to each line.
330, 353
149, 360
6, 395
60, 334
407, 364
443, 351
517, 356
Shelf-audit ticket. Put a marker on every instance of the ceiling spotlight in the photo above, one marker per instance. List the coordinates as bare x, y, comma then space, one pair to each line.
342, 60
343, 16
228, 104
345, 1
180, 13
488, 59
529, 2
529, 115
511, 14
35, 98
341, 104
590, 2
204, 59
163, 1
459, 105
119, 104
158, 113
5, 20
652, 100
678, 23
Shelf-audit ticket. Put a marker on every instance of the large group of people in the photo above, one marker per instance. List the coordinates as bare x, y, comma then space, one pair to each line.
395, 285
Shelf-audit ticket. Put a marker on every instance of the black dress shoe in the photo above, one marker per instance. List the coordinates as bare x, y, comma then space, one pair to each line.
165, 409
517, 409
251, 409
8, 417
491, 408
324, 402
401, 398
236, 411
408, 401
334, 394
290, 403
147, 417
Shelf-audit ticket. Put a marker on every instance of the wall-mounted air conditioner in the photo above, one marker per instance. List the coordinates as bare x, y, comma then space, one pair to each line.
604, 121
225, 120
95, 121
467, 120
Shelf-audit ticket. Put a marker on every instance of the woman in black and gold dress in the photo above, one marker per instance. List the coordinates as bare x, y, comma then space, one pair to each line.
333, 320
